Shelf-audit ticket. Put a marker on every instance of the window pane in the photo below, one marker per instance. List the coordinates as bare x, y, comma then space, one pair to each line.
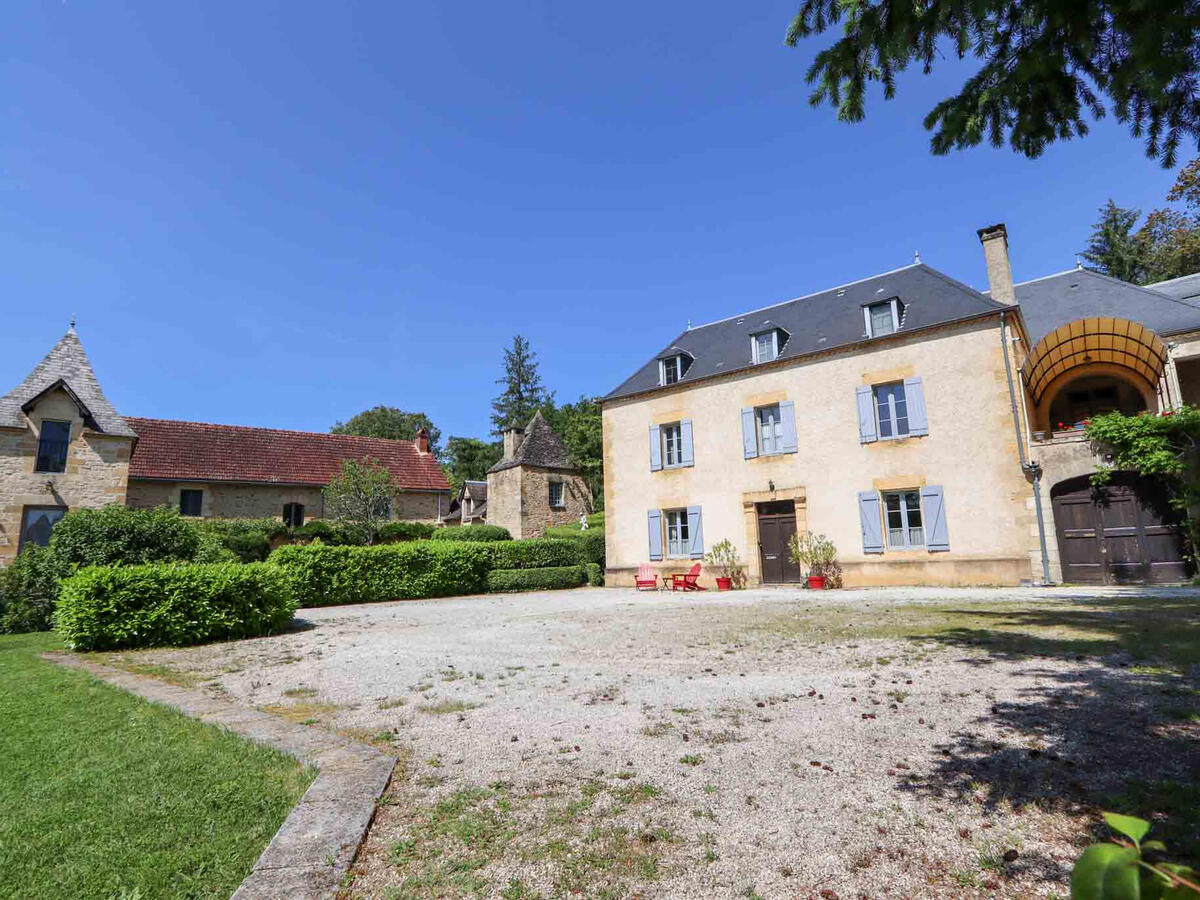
189, 502
912, 507
36, 525
766, 346
770, 428
884, 408
881, 319
895, 520
672, 444
901, 409
54, 441
671, 370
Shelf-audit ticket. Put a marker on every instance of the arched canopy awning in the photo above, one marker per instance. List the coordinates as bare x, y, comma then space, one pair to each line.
1114, 342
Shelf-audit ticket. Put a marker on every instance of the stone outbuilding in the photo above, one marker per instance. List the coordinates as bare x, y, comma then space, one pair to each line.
534, 486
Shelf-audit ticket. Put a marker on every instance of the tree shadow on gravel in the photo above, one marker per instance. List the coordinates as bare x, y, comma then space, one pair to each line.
1118, 728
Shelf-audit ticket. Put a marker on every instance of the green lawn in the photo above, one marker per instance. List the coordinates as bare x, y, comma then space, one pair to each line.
104, 795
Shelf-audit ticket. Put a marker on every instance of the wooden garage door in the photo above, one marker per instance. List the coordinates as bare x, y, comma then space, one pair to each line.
1123, 533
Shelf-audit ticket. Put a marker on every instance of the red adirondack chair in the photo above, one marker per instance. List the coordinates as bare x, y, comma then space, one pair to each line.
687, 581
645, 579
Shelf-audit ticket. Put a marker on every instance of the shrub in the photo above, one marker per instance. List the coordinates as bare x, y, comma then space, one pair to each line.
472, 533
110, 607
327, 533
592, 540
118, 534
29, 590
211, 549
595, 574
248, 539
545, 579
323, 575
538, 553
395, 532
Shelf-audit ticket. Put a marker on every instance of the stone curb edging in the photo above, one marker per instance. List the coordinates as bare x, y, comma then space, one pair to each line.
317, 842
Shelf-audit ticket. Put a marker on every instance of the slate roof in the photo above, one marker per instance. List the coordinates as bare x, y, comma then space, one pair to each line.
67, 366
540, 447
816, 322
1186, 287
1046, 303
197, 451
476, 490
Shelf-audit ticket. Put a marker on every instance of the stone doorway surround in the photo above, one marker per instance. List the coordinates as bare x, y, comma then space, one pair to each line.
750, 501
318, 841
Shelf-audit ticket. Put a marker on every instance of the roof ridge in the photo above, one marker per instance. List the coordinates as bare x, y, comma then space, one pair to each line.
974, 292
323, 434
807, 296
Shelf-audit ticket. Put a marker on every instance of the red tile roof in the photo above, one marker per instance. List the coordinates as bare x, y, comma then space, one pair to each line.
196, 451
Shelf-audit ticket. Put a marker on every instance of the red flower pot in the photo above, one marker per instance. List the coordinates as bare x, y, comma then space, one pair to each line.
724, 584
816, 582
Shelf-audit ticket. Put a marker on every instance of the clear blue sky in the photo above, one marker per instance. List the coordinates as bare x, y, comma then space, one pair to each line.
282, 213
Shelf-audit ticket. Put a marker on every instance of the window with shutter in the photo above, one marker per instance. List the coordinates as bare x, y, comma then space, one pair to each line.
655, 532
871, 521
867, 432
678, 535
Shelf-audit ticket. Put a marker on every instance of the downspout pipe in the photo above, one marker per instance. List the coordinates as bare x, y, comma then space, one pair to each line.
1031, 469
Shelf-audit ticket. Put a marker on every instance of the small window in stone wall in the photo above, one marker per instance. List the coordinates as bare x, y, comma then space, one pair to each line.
558, 497
293, 514
190, 502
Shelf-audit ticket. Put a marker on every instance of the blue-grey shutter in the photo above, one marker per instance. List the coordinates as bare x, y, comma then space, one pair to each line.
654, 524
685, 443
866, 414
914, 398
749, 438
787, 413
872, 521
695, 533
655, 449
933, 511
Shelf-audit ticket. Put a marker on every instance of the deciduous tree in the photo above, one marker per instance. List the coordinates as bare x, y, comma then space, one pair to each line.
392, 423
359, 498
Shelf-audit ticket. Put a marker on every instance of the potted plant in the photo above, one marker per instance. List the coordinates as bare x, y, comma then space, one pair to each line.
818, 555
724, 558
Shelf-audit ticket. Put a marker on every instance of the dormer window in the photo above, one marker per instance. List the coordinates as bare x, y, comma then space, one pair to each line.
882, 318
54, 441
671, 369
766, 345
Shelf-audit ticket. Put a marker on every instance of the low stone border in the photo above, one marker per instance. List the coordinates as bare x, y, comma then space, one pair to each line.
319, 839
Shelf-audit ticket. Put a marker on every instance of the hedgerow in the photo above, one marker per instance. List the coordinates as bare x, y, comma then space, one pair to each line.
595, 574
544, 579
118, 534
29, 590
537, 553
395, 532
472, 533
112, 607
321, 575
592, 540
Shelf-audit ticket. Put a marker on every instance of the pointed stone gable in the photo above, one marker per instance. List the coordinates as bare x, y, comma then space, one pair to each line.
540, 447
66, 363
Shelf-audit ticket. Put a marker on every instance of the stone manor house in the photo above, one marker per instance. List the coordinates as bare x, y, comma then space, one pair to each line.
933, 431
63, 446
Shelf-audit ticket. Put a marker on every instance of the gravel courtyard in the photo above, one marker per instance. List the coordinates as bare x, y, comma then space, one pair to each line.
885, 743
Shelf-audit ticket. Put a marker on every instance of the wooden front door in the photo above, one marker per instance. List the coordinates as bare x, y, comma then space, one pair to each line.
1122, 533
776, 524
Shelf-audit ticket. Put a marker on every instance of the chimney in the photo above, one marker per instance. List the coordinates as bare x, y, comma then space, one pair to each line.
512, 441
995, 254
422, 440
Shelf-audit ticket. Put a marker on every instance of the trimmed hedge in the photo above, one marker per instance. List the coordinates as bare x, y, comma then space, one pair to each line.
395, 532
544, 579
111, 607
29, 590
321, 575
592, 540
538, 553
471, 533
595, 574
118, 534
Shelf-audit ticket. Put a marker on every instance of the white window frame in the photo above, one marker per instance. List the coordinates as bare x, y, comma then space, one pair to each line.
562, 495
666, 432
776, 426
893, 419
676, 521
662, 370
905, 528
774, 332
894, 304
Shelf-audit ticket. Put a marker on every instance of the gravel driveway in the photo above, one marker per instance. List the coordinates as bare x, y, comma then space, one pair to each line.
600, 742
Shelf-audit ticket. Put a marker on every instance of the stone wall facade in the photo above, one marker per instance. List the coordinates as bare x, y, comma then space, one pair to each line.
519, 500
96, 473
225, 500
970, 451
